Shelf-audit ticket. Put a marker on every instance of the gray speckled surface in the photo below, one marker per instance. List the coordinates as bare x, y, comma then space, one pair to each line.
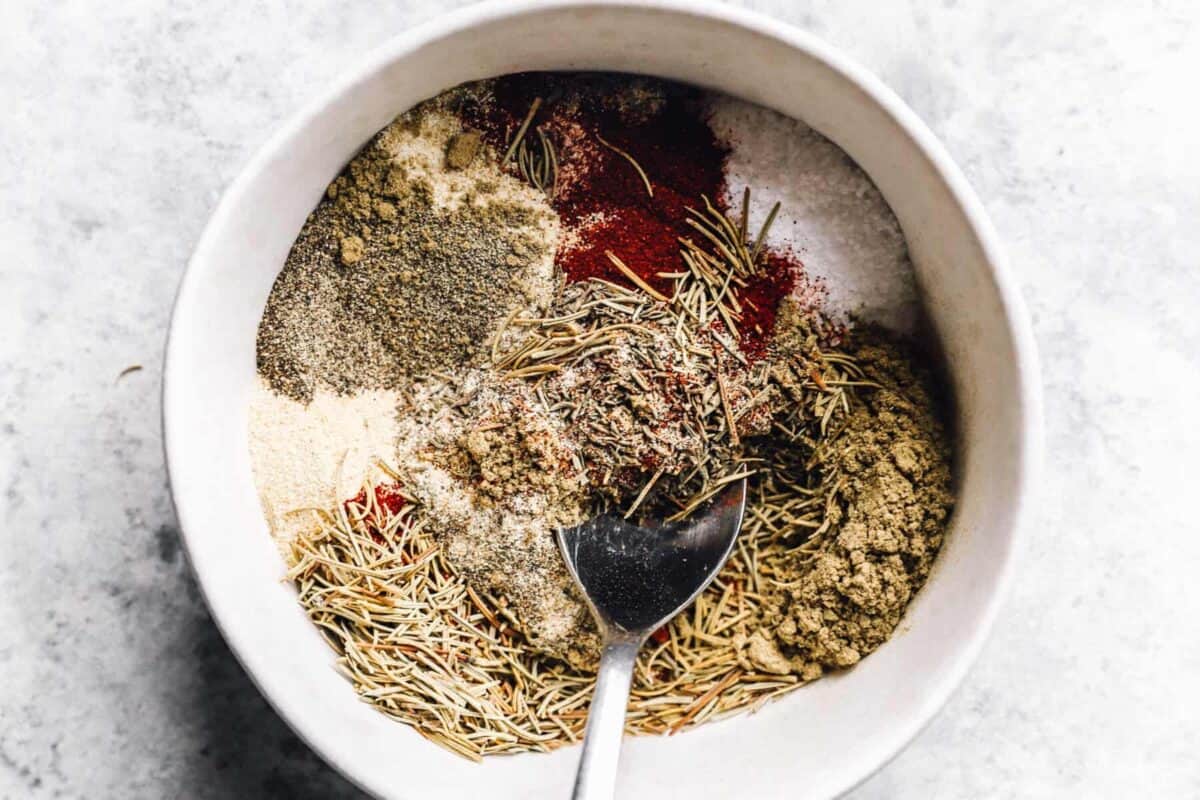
122, 122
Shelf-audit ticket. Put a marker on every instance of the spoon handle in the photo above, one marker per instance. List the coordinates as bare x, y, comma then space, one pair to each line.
597, 775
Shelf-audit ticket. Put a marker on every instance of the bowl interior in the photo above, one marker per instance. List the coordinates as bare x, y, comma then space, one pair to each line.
818, 741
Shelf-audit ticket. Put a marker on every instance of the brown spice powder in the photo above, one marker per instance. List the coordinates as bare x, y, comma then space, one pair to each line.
890, 464
495, 477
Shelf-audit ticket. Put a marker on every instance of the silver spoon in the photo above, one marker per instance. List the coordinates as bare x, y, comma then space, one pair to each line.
636, 579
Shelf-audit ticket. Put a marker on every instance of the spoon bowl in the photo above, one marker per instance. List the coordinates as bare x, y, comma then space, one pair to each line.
637, 578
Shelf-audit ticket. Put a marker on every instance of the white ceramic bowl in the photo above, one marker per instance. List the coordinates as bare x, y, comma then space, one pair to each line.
817, 742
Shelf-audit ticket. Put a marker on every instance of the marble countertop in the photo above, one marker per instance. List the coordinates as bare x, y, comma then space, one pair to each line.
122, 122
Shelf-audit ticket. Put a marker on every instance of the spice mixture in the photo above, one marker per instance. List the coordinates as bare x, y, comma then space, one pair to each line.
539, 297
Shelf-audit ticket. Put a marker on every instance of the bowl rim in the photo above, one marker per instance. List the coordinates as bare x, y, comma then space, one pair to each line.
1016, 317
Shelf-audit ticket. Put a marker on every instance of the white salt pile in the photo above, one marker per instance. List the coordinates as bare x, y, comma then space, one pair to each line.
832, 215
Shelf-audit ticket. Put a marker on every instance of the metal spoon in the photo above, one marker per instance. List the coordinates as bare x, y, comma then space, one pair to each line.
636, 579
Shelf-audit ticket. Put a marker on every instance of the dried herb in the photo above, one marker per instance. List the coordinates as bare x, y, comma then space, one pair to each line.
625, 155
515, 142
